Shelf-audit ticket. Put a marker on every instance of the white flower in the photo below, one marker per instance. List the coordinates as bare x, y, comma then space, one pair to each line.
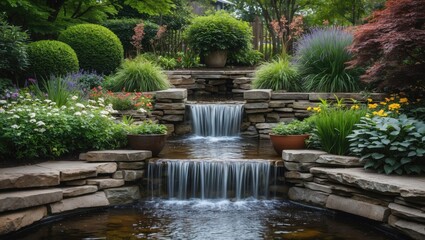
101, 100
14, 126
84, 112
2, 110
142, 110
91, 116
15, 116
33, 121
63, 107
32, 115
101, 104
2, 102
71, 108
49, 114
92, 101
103, 112
42, 130
48, 100
77, 113
40, 123
80, 105
74, 97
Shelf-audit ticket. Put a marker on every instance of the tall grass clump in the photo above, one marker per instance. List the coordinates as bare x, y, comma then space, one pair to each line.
56, 89
321, 58
277, 75
139, 75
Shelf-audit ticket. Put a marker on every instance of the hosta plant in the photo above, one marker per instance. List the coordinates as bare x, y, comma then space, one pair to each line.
390, 144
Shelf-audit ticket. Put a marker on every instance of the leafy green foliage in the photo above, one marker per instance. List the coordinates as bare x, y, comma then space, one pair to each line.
123, 28
139, 75
321, 58
390, 144
277, 75
39, 129
147, 127
245, 57
13, 50
295, 127
218, 31
55, 89
85, 79
97, 47
50, 57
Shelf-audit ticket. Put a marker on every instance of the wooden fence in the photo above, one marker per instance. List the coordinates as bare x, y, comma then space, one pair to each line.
173, 42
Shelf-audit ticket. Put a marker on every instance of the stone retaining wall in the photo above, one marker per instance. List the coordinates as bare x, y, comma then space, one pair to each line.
339, 183
100, 178
264, 108
229, 83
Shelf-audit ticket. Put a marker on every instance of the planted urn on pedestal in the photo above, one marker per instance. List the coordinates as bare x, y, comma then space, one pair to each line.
147, 136
290, 136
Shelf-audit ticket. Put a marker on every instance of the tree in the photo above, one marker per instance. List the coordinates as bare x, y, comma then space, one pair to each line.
49, 17
392, 46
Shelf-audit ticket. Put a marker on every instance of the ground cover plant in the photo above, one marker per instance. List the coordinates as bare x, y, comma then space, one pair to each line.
124, 100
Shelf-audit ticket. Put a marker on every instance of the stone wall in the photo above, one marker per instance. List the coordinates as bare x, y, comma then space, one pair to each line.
339, 183
100, 178
210, 83
264, 108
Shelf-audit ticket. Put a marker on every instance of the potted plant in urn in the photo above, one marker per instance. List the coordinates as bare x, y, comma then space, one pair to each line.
217, 35
147, 135
290, 135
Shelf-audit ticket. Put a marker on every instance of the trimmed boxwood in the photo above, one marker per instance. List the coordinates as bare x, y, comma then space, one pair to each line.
123, 28
97, 47
50, 57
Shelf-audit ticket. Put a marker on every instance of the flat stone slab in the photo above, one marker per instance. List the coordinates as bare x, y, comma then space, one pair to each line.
290, 96
263, 94
106, 182
307, 195
339, 161
122, 195
299, 176
71, 170
359, 208
11, 222
406, 186
116, 156
97, 199
173, 93
78, 191
28, 176
131, 165
29, 198
129, 175
302, 156
407, 212
413, 229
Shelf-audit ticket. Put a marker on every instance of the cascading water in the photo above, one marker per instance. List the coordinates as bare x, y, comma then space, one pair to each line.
216, 120
210, 179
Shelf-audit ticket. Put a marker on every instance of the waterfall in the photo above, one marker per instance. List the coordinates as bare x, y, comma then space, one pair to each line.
209, 179
216, 120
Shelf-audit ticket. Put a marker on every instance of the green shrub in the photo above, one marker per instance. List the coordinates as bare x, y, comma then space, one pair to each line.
147, 127
85, 79
97, 47
49, 57
321, 58
139, 75
390, 144
245, 57
56, 89
123, 28
13, 49
164, 62
277, 75
44, 130
218, 31
295, 127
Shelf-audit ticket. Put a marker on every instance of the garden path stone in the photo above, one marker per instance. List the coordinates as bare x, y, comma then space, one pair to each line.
339, 161
116, 156
71, 170
28, 176
359, 208
97, 199
29, 198
77, 191
11, 222
405, 186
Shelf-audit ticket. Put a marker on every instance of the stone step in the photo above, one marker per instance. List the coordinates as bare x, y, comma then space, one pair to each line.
116, 156
71, 170
78, 191
407, 212
10, 222
104, 183
29, 198
97, 199
28, 176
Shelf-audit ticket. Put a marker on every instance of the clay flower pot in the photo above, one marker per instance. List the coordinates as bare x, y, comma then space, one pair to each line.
152, 142
282, 142
216, 59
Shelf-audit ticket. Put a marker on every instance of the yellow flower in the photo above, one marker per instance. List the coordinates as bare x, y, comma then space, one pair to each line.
404, 100
317, 109
392, 98
380, 113
372, 105
383, 103
393, 106
355, 107
309, 108
370, 100
387, 99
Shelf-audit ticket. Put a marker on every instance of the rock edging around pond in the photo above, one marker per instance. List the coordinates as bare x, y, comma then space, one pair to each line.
339, 183
100, 178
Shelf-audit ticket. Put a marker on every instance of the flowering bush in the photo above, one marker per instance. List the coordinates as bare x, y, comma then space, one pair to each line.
390, 107
32, 128
124, 100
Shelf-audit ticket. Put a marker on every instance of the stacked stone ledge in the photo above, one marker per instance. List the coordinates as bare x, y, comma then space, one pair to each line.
264, 108
340, 183
170, 109
100, 178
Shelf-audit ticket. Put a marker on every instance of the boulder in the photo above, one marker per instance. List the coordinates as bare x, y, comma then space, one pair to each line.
123, 195
359, 208
97, 199
10, 222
